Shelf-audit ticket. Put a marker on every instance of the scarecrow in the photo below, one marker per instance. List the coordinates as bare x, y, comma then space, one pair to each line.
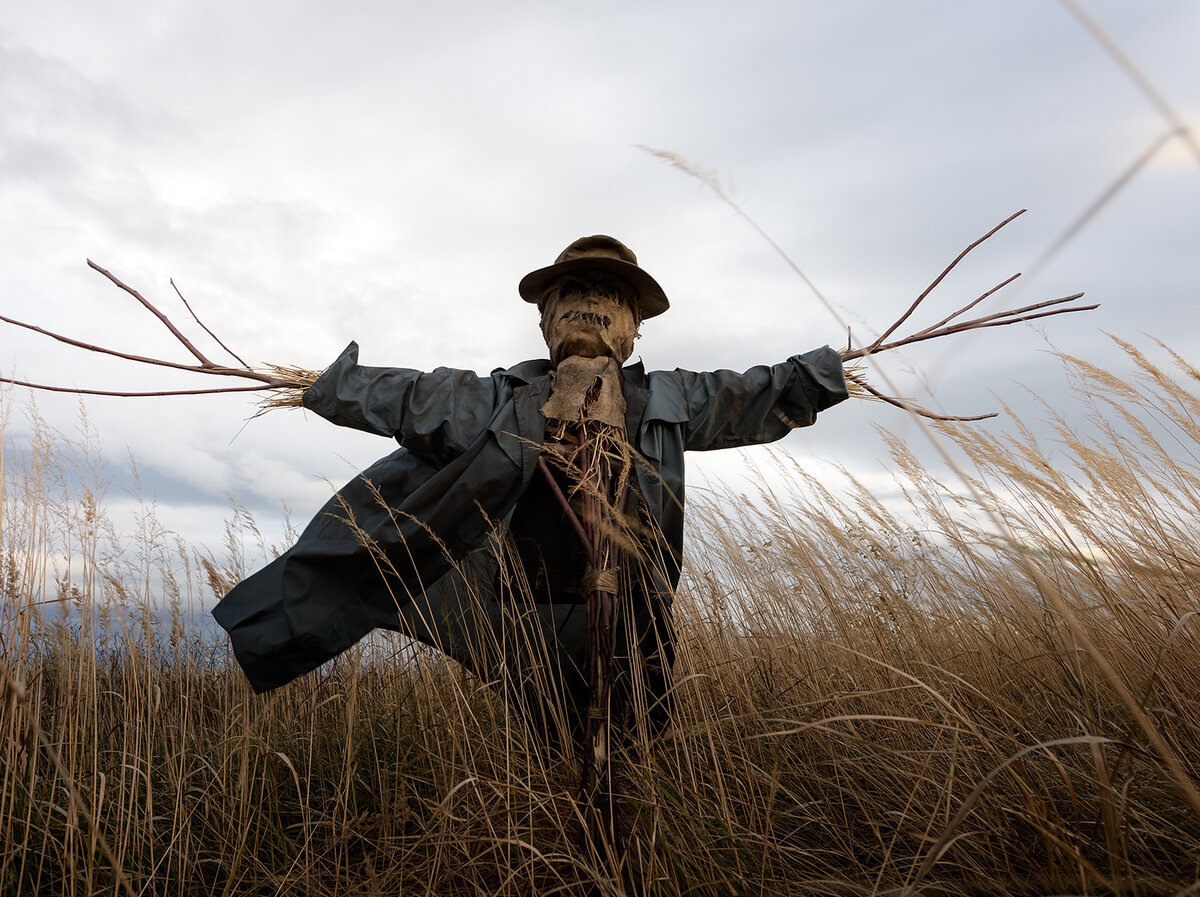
531, 521
548, 496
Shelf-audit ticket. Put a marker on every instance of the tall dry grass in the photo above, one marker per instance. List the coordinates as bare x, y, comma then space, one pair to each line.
867, 701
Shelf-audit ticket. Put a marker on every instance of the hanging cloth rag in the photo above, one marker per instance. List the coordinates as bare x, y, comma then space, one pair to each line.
587, 389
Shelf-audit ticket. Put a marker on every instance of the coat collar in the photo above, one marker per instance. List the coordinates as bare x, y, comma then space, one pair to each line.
528, 371
531, 389
531, 386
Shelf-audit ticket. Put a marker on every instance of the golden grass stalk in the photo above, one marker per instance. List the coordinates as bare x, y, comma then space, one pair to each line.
869, 698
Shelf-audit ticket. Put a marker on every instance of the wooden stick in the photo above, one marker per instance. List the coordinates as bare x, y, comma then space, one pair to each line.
1013, 312
135, 395
143, 359
196, 318
1012, 316
206, 366
595, 785
909, 405
1045, 314
904, 317
970, 305
204, 362
562, 500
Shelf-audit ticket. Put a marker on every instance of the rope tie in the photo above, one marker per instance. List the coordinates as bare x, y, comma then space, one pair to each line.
595, 580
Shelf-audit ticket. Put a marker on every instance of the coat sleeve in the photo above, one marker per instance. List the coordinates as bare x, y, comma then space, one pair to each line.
436, 413
725, 409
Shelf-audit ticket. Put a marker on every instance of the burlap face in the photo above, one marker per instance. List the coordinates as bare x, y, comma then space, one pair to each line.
589, 320
587, 389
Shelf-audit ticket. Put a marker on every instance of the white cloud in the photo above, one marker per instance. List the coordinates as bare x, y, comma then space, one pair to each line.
386, 173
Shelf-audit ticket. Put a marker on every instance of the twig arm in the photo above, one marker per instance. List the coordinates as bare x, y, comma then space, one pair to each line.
204, 362
161, 362
1013, 312
1013, 316
134, 395
1042, 314
196, 318
966, 308
909, 405
944, 328
904, 317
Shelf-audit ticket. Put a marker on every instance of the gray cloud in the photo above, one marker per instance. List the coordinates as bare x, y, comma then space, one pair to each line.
386, 173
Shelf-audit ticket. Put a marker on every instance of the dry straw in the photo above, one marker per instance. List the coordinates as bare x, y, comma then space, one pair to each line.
867, 701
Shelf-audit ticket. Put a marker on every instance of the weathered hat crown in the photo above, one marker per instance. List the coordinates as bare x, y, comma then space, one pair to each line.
598, 253
598, 246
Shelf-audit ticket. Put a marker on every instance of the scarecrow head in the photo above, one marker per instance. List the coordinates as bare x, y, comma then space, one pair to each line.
592, 299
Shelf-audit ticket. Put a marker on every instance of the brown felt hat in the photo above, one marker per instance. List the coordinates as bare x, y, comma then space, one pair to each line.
598, 253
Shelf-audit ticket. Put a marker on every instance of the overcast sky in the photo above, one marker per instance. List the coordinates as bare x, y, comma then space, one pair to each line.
311, 173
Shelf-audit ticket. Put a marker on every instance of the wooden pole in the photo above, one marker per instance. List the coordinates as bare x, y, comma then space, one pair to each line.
595, 787
593, 463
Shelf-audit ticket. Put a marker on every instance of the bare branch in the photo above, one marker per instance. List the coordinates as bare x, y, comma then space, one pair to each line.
1013, 311
160, 362
1044, 314
944, 328
132, 395
970, 305
93, 348
999, 319
562, 500
196, 318
158, 314
286, 384
904, 317
860, 381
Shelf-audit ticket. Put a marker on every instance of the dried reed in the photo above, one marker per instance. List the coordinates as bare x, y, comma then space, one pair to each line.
290, 394
866, 702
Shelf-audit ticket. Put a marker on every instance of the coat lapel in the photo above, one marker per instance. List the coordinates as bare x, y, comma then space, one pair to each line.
528, 399
633, 378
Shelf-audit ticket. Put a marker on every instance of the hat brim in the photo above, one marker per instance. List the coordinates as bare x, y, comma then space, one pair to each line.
651, 299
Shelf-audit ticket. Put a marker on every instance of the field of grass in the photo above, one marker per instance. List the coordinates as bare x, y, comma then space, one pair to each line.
867, 702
